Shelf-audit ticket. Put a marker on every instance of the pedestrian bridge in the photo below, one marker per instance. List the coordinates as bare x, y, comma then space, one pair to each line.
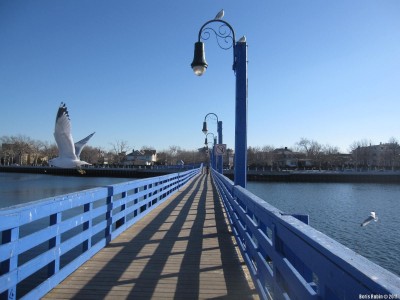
186, 235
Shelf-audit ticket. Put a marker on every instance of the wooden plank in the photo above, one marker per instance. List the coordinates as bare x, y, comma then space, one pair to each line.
182, 250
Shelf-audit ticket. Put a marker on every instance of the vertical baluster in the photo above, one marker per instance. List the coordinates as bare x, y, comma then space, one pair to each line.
10, 264
54, 243
87, 244
109, 204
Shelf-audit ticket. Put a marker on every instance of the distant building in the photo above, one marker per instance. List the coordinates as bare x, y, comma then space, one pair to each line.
285, 158
381, 156
141, 158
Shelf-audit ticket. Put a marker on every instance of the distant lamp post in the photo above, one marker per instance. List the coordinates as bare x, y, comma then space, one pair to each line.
226, 40
206, 140
219, 160
213, 156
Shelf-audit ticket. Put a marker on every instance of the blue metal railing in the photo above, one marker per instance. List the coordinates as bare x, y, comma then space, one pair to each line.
41, 243
288, 259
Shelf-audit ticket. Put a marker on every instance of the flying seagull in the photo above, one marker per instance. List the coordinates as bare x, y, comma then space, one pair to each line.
68, 156
371, 218
220, 15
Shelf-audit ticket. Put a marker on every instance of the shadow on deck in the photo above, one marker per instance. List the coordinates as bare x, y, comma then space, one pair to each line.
182, 250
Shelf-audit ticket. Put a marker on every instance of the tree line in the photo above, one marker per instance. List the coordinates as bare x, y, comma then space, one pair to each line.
24, 150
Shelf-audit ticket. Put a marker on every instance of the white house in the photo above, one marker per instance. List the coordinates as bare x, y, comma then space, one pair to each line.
141, 158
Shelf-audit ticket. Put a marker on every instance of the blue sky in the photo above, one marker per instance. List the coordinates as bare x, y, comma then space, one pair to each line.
323, 70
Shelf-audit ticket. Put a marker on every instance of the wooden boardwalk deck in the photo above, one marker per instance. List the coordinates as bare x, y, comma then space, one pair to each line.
182, 250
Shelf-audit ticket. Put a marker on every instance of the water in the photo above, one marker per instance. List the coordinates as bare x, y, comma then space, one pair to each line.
337, 209
18, 188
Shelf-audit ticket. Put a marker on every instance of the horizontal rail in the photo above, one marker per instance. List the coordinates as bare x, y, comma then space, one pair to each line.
288, 259
42, 242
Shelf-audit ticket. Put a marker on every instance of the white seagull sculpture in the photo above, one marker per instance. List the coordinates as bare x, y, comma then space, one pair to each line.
68, 156
372, 217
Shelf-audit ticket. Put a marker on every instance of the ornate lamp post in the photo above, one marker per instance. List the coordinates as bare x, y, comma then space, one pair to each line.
226, 40
219, 160
212, 155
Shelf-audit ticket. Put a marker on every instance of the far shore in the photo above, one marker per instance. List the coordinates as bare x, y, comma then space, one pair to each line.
252, 175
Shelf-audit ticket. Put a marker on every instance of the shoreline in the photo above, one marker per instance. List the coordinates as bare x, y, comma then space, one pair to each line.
262, 176
92, 172
322, 176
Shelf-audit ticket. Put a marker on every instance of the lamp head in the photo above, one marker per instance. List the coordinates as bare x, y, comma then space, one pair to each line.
205, 130
199, 64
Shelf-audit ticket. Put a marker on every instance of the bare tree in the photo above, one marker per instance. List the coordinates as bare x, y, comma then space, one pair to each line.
16, 148
359, 144
36, 151
145, 147
49, 150
310, 147
7, 150
119, 150
173, 152
330, 157
93, 155
253, 156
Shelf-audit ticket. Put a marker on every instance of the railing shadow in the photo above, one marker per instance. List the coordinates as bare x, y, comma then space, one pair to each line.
175, 236
108, 276
231, 263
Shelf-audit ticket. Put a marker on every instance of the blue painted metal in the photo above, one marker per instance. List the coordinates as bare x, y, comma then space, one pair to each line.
220, 161
240, 68
46, 234
240, 64
220, 164
288, 259
214, 155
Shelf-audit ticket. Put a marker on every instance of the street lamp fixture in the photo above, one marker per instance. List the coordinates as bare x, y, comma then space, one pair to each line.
205, 126
199, 64
226, 39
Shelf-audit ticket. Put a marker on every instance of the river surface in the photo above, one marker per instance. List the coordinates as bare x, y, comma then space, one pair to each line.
336, 209
18, 188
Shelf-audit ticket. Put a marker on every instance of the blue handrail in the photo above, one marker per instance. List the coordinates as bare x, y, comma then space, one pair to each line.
288, 259
42, 242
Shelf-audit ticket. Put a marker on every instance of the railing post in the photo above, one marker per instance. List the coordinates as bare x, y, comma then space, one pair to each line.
10, 264
109, 205
87, 208
149, 204
54, 242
